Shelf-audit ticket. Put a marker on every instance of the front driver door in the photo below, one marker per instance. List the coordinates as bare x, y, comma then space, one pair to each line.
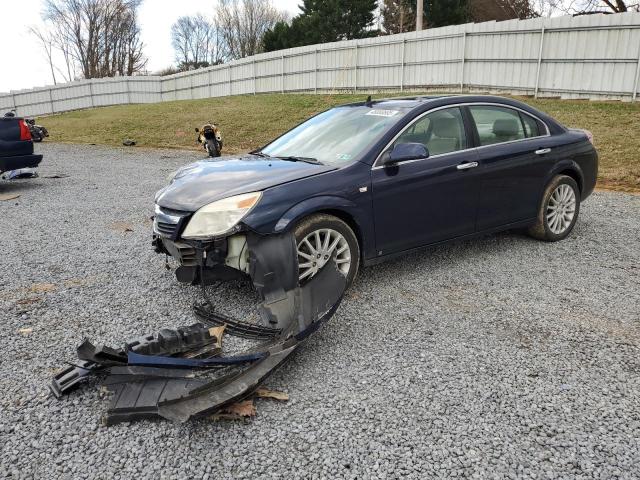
425, 201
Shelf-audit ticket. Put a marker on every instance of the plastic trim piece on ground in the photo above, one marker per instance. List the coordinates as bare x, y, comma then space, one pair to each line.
179, 374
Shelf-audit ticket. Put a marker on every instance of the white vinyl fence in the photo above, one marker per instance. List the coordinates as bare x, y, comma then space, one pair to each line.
593, 56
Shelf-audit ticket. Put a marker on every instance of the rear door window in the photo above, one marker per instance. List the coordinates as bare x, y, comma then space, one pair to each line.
498, 124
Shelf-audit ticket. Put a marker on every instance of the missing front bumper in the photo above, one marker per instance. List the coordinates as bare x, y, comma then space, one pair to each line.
219, 259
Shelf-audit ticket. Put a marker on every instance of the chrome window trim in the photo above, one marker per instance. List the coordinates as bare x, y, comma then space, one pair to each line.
375, 165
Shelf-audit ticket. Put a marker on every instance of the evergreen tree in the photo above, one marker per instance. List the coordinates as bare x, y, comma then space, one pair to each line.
397, 16
447, 12
441, 13
322, 21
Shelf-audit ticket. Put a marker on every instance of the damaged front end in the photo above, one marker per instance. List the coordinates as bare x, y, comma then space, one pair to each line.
208, 248
180, 374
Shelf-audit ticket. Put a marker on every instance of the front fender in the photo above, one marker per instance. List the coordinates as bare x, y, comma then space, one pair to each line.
356, 215
313, 205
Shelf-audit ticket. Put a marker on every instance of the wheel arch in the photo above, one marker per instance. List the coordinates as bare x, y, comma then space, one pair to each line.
338, 207
566, 167
573, 173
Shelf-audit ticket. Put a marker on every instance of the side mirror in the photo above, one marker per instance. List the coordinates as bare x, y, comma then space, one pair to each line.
197, 130
405, 151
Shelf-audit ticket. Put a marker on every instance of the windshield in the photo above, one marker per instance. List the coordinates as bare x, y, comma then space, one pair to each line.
336, 136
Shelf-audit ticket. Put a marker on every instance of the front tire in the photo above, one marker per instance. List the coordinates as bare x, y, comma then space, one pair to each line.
321, 238
558, 211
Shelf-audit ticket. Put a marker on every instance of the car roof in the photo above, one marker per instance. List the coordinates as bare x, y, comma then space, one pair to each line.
397, 102
419, 103
414, 101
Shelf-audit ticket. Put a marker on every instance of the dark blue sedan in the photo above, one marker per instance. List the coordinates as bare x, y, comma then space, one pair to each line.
364, 182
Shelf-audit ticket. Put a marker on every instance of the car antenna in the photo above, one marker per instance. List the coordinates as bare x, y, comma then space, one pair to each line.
368, 102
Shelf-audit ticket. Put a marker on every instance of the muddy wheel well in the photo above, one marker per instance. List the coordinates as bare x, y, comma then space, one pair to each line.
569, 172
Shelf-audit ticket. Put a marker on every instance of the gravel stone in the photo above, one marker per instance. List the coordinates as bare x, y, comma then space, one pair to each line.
502, 357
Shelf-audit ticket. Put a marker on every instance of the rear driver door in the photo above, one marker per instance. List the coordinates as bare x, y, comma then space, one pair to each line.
514, 150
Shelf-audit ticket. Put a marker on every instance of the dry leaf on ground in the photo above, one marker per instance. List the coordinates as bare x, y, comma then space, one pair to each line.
266, 393
25, 331
28, 300
122, 227
42, 287
245, 408
217, 332
8, 196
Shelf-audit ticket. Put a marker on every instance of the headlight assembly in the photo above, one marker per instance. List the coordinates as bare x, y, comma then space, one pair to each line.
220, 217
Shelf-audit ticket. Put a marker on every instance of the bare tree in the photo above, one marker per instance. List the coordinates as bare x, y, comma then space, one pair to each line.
46, 41
182, 37
101, 37
588, 7
197, 42
49, 39
243, 23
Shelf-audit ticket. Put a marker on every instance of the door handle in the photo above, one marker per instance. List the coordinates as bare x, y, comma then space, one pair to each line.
542, 151
467, 166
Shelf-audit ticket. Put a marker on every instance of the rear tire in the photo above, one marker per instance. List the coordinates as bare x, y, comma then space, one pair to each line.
558, 211
212, 148
321, 238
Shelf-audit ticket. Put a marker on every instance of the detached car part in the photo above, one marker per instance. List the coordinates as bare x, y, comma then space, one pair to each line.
155, 376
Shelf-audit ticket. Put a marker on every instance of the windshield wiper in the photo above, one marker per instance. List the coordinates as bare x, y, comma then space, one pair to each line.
292, 158
260, 154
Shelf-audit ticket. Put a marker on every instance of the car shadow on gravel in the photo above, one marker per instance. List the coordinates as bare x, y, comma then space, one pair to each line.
18, 186
438, 256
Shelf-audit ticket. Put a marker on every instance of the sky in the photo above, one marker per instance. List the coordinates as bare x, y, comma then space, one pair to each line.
24, 64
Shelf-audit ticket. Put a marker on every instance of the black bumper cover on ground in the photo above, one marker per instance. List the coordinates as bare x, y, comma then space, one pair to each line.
151, 377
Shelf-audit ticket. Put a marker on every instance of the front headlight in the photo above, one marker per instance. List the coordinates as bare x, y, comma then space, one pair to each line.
219, 217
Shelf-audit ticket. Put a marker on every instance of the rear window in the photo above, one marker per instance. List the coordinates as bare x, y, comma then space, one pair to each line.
531, 128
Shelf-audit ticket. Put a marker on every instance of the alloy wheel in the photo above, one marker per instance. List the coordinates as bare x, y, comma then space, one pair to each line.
320, 246
561, 209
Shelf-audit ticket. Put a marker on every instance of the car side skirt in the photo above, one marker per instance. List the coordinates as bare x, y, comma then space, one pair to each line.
383, 258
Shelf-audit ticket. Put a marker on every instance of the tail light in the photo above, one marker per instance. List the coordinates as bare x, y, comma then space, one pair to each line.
25, 133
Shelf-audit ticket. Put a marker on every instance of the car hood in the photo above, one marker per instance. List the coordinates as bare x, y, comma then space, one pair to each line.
206, 181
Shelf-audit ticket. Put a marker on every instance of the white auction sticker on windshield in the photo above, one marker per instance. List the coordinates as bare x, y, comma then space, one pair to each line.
383, 113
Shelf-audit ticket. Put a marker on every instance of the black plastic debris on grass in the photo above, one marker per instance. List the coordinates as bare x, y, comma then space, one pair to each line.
181, 374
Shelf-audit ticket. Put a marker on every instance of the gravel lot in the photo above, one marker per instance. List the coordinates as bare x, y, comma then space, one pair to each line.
501, 357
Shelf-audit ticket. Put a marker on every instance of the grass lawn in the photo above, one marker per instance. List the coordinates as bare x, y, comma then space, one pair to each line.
249, 121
